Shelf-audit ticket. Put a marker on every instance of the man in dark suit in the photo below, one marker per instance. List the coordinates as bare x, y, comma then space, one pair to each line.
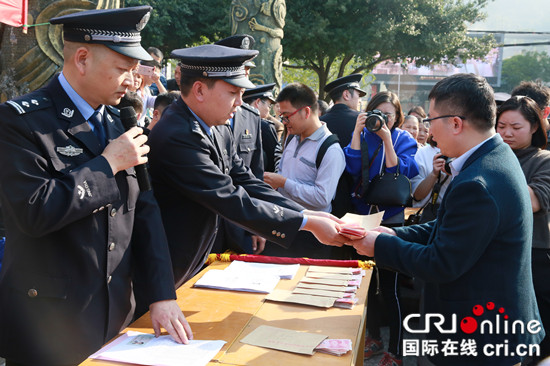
78, 225
346, 94
475, 257
246, 128
198, 175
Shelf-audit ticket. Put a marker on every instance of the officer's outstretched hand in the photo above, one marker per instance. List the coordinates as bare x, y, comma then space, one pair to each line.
127, 150
168, 315
325, 229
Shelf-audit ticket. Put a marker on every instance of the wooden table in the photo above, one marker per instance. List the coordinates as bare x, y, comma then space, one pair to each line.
230, 315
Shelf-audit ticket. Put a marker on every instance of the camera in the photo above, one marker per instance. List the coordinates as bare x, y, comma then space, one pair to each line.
447, 168
375, 120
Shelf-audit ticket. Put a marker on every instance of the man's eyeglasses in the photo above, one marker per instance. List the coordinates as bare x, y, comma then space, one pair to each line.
285, 119
428, 121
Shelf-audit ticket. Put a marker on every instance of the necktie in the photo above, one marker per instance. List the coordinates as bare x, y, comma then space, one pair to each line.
99, 129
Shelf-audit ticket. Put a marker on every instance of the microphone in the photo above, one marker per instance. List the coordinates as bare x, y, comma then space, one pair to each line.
129, 120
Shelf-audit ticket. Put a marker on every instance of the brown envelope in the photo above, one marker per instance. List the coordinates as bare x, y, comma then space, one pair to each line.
284, 339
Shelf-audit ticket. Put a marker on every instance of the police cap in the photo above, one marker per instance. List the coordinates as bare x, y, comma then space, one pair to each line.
242, 41
118, 29
262, 91
343, 83
216, 62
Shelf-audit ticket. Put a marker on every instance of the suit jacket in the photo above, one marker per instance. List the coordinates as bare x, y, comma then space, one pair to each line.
65, 285
197, 178
247, 136
340, 120
477, 251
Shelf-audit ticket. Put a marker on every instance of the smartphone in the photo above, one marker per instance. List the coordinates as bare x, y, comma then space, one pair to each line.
146, 70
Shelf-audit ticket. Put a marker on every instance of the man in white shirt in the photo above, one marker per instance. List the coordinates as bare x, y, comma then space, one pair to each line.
300, 177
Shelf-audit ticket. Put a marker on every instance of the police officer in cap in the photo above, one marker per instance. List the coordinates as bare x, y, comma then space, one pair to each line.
246, 128
197, 174
78, 225
261, 98
340, 119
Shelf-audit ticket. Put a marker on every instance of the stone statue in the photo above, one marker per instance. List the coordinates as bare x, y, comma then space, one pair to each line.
28, 61
264, 20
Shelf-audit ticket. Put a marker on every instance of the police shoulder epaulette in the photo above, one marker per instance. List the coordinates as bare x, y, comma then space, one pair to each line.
196, 128
113, 110
30, 102
250, 108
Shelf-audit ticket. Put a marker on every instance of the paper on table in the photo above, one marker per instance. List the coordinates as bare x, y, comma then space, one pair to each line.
284, 339
145, 349
324, 281
237, 281
284, 271
315, 292
332, 276
288, 296
316, 286
366, 221
325, 269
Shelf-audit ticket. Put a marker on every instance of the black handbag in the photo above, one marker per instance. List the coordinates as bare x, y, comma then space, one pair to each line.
389, 189
385, 189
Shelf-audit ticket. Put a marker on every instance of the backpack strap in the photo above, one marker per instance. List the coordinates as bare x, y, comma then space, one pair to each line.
329, 141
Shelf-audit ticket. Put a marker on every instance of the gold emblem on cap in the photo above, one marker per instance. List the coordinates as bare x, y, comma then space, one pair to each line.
143, 22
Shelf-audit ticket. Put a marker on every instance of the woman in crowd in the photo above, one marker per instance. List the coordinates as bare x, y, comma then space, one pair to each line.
411, 125
520, 123
423, 130
386, 148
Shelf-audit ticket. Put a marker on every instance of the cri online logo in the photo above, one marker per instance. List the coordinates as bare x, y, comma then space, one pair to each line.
469, 324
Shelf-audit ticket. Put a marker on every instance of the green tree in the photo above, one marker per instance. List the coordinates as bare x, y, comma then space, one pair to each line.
527, 66
334, 36
184, 23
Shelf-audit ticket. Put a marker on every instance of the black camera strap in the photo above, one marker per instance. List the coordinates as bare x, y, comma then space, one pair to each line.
366, 164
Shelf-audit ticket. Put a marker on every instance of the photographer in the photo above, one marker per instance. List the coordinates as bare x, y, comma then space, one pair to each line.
387, 146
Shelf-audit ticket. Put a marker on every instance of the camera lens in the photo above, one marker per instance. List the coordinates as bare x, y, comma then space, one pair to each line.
375, 120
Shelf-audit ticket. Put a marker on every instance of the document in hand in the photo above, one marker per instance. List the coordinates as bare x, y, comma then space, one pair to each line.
145, 349
238, 281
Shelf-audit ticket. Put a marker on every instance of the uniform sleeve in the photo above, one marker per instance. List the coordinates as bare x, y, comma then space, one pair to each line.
46, 194
150, 249
322, 192
184, 162
458, 243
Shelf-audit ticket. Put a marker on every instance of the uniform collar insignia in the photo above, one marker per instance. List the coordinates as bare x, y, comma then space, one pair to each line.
197, 128
67, 112
109, 118
69, 150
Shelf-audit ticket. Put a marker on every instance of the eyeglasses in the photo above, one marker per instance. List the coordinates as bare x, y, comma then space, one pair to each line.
285, 119
428, 121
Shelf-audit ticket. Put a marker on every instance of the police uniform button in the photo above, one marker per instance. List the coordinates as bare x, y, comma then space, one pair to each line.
248, 149
274, 232
283, 236
226, 171
101, 208
112, 247
278, 233
87, 38
109, 278
94, 211
32, 293
113, 212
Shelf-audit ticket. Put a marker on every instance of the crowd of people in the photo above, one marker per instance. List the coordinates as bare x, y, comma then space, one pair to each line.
233, 167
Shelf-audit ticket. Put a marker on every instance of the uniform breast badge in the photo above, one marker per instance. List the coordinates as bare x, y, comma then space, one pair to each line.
69, 150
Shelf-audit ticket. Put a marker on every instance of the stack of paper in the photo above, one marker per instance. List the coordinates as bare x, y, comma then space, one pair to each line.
284, 271
145, 349
237, 281
324, 287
